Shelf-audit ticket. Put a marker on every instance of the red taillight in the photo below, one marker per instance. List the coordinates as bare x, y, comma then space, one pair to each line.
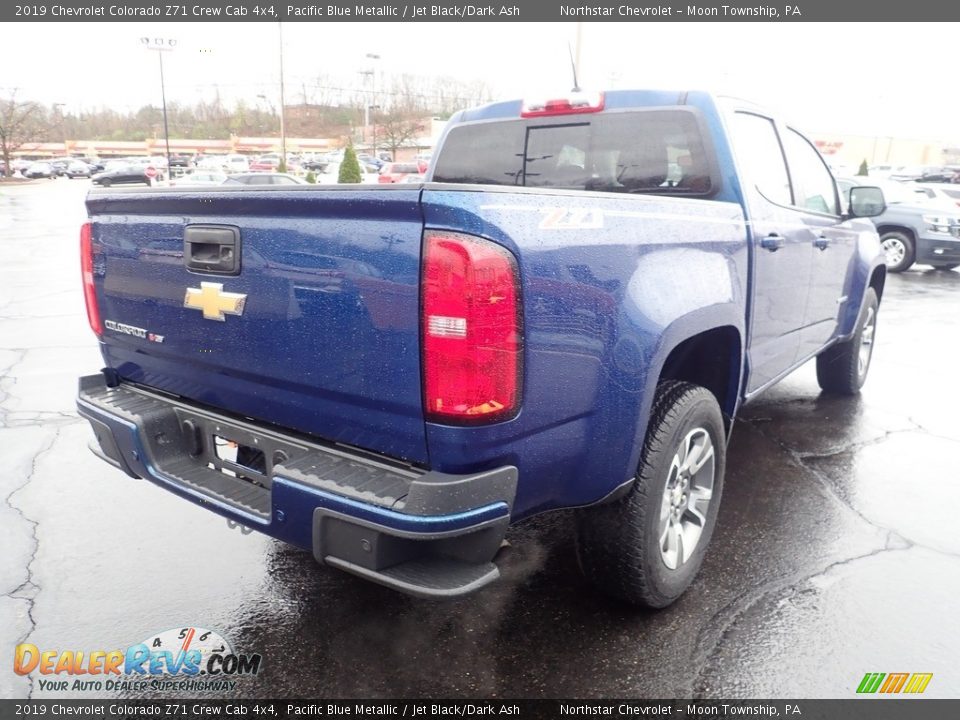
86, 267
472, 335
573, 104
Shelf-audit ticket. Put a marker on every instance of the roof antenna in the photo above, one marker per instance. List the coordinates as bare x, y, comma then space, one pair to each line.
573, 69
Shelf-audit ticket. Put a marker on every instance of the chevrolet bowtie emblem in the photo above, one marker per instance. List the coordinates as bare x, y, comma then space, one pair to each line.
214, 301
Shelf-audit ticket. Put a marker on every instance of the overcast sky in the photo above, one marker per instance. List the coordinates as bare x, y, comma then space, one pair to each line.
870, 79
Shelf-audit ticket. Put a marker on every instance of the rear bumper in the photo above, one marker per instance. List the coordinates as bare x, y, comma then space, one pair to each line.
421, 532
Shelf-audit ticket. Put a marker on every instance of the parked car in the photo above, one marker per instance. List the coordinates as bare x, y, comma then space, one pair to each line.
263, 178
211, 162
40, 170
912, 229
395, 172
945, 194
59, 166
940, 175
78, 168
236, 164
198, 178
917, 173
265, 164
179, 161
317, 163
123, 174
157, 163
370, 161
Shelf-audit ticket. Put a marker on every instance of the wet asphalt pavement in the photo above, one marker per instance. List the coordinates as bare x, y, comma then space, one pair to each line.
837, 550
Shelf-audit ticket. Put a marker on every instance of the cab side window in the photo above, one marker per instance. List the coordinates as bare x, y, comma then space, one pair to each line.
813, 186
758, 149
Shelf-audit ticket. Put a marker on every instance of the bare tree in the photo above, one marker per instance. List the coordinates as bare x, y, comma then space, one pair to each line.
398, 127
20, 123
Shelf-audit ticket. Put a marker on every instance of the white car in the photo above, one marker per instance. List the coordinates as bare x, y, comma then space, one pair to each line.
212, 162
200, 178
236, 164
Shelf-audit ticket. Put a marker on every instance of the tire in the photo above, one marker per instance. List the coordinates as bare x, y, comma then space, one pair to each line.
898, 249
945, 268
631, 548
106, 183
842, 368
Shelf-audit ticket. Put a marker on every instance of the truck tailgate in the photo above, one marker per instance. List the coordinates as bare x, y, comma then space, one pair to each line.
315, 329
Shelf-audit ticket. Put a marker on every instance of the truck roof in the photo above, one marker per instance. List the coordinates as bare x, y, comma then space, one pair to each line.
613, 100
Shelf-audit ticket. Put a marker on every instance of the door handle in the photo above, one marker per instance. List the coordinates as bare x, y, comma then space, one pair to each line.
212, 249
822, 242
773, 242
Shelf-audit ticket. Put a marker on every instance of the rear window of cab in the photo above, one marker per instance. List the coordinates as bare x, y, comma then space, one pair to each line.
646, 151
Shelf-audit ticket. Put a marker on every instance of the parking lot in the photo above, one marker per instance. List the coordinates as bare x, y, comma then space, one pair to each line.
836, 551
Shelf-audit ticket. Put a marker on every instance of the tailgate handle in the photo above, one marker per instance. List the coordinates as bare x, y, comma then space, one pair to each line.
212, 249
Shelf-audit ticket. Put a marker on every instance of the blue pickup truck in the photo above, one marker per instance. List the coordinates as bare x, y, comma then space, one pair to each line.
567, 314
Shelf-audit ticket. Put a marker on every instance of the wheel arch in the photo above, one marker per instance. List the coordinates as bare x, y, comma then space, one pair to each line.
713, 359
878, 279
895, 227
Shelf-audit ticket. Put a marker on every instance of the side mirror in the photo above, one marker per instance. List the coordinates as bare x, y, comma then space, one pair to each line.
866, 202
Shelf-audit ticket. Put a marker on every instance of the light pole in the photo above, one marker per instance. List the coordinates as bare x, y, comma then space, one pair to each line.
372, 105
162, 45
273, 110
283, 132
58, 109
366, 107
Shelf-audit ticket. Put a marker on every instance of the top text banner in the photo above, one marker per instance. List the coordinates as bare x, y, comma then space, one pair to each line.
456, 10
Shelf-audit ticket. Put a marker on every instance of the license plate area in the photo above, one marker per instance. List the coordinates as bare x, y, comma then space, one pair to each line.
238, 460
235, 450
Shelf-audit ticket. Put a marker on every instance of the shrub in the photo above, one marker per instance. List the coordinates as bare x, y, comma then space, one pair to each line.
350, 167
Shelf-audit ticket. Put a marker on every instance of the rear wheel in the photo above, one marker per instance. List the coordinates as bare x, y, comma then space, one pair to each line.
898, 250
105, 183
647, 547
842, 368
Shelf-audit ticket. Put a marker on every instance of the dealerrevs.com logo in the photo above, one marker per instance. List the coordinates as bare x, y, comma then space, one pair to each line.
190, 658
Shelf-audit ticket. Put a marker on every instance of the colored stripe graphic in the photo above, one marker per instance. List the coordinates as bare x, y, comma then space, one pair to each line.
894, 682
870, 682
918, 682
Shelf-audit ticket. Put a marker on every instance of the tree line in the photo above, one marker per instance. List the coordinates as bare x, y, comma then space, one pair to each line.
322, 109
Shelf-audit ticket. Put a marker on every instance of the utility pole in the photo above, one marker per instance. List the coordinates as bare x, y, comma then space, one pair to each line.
160, 46
283, 131
58, 109
366, 107
374, 106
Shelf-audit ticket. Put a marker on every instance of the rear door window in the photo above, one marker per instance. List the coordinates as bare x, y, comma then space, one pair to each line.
813, 186
646, 151
759, 150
